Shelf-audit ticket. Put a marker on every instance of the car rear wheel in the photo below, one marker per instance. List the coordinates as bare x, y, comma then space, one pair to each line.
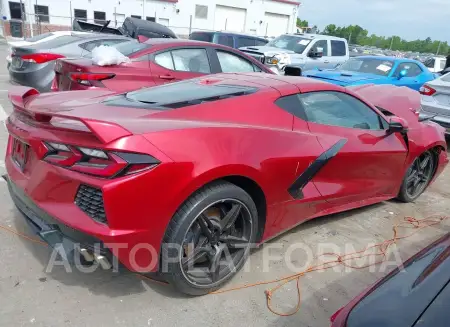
418, 177
209, 238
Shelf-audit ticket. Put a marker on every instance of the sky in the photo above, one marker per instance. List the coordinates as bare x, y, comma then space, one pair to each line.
409, 19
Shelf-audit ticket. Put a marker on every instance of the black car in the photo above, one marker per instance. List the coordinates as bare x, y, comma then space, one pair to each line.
419, 296
132, 27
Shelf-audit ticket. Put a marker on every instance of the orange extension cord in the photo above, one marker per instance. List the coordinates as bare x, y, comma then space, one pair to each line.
379, 250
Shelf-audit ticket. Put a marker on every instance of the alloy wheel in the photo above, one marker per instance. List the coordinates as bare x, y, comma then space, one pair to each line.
419, 174
217, 240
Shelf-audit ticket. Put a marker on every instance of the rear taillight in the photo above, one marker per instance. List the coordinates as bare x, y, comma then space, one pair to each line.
427, 90
90, 79
97, 162
40, 58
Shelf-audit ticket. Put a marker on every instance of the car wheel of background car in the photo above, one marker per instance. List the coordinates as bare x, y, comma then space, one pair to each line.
417, 177
209, 238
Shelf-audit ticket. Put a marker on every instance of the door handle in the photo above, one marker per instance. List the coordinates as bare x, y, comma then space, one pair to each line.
326, 62
168, 77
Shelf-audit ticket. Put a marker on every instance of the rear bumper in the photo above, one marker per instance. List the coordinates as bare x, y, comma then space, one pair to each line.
49, 208
40, 79
53, 231
442, 120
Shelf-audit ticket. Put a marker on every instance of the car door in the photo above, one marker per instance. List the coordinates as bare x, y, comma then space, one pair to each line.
415, 77
322, 62
178, 64
363, 161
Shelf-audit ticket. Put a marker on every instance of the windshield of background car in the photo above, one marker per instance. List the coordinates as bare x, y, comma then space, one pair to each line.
290, 42
368, 66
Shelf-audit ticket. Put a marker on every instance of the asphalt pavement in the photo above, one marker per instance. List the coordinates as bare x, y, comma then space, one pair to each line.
32, 295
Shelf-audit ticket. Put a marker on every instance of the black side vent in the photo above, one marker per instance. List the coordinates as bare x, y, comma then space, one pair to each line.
90, 201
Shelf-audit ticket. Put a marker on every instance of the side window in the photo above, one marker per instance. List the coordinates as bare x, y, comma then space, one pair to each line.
232, 63
339, 109
338, 48
245, 42
412, 69
165, 60
321, 44
185, 60
225, 40
429, 63
261, 42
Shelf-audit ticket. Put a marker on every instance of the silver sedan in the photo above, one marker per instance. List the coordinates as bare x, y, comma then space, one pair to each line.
436, 101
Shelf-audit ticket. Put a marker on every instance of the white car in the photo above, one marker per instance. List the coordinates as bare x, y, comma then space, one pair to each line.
436, 101
435, 64
305, 51
38, 39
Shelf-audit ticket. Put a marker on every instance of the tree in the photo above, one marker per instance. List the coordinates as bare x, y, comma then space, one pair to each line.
358, 35
302, 23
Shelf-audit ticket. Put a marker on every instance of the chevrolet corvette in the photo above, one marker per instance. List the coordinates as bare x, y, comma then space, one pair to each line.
186, 177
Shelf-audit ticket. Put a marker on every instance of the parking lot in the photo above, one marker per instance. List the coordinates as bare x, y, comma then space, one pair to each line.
32, 295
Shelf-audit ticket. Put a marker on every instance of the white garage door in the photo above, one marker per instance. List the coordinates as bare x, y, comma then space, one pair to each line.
230, 19
276, 24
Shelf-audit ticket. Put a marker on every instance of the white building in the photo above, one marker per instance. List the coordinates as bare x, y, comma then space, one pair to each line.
259, 17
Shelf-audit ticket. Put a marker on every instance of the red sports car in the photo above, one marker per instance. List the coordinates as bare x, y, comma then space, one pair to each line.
155, 62
183, 178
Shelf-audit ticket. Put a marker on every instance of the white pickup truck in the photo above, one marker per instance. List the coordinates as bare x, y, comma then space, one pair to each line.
306, 51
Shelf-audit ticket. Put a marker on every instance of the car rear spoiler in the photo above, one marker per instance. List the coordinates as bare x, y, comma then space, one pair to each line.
105, 131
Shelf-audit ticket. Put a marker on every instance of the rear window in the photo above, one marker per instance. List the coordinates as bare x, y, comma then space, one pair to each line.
245, 42
206, 37
38, 37
259, 42
131, 47
225, 40
56, 42
185, 93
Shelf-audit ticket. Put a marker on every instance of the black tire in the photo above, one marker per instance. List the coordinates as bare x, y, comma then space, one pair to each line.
426, 173
186, 218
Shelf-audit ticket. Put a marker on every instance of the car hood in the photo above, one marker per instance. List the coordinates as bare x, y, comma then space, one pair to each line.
266, 50
343, 77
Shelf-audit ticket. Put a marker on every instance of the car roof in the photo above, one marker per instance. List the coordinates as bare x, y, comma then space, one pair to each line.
231, 33
272, 82
314, 36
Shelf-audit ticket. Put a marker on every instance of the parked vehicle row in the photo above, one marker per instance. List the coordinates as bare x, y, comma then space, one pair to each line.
211, 164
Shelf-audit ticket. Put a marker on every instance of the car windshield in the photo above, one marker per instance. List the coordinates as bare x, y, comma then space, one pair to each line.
368, 66
290, 42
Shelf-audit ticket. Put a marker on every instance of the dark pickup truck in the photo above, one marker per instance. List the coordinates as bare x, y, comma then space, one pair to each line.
131, 27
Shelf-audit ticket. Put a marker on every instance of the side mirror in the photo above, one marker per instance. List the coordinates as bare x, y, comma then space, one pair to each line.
292, 71
402, 74
316, 53
397, 125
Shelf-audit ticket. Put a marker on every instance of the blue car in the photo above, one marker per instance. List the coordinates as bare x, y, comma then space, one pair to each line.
376, 70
